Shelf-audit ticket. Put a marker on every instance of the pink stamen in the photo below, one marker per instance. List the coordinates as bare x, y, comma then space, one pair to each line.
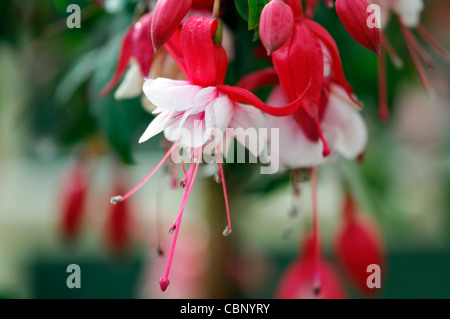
117, 199
185, 160
409, 42
184, 184
382, 86
164, 281
326, 150
433, 42
227, 230
174, 176
421, 51
316, 251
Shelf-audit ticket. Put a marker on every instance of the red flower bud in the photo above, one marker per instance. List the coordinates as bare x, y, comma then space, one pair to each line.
358, 245
354, 16
167, 17
298, 281
73, 195
118, 223
276, 25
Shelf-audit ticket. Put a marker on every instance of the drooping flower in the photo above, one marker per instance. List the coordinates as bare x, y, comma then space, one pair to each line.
201, 106
358, 245
137, 58
308, 56
328, 120
311, 276
298, 280
136, 45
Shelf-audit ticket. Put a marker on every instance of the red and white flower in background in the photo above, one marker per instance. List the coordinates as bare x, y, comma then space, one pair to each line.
358, 245
298, 282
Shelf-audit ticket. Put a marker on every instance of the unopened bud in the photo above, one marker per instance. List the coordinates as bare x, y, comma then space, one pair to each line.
276, 25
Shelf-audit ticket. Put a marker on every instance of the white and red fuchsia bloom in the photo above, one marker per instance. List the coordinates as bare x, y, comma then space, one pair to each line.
139, 57
298, 279
135, 46
203, 103
327, 121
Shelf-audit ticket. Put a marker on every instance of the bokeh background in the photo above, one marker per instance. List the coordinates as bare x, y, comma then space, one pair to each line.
52, 116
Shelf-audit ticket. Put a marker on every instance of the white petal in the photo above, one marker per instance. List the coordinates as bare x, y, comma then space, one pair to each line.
156, 126
218, 115
219, 112
203, 98
295, 149
342, 125
131, 85
191, 133
409, 10
245, 119
171, 95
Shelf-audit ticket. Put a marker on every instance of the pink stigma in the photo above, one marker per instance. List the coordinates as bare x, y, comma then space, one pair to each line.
164, 283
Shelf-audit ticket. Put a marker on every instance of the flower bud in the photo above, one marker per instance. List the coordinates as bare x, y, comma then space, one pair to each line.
358, 245
74, 195
167, 17
276, 25
300, 282
118, 224
354, 16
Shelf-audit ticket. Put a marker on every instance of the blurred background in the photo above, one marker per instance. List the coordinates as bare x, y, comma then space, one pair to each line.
59, 137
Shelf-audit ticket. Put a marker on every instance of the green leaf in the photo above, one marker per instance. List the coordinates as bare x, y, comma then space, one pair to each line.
255, 9
242, 8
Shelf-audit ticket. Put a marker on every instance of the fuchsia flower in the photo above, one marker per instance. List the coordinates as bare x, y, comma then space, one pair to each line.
358, 245
408, 14
203, 102
302, 62
137, 51
328, 119
299, 279
136, 45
